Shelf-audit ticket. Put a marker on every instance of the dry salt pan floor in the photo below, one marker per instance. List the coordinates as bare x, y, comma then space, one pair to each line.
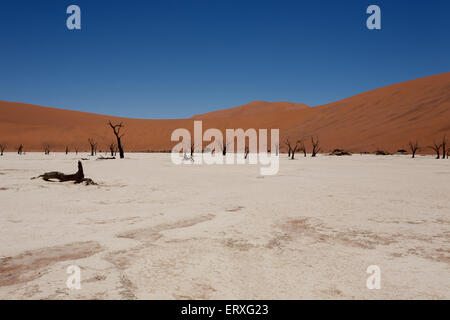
153, 230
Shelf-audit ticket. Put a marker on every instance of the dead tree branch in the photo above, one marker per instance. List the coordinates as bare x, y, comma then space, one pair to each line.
444, 144
116, 129
93, 146
414, 147
77, 177
302, 148
247, 151
292, 149
316, 146
289, 147
340, 152
437, 148
112, 149
223, 147
46, 148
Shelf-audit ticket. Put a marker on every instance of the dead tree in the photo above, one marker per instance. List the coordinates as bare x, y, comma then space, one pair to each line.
289, 147
414, 147
292, 150
20, 149
444, 144
76, 150
316, 146
340, 152
93, 146
223, 148
105, 158
437, 148
302, 148
295, 149
77, 177
246, 152
112, 149
380, 152
116, 129
67, 149
46, 148
2, 148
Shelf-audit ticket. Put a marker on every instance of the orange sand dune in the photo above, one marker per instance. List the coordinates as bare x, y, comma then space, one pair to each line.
252, 109
385, 118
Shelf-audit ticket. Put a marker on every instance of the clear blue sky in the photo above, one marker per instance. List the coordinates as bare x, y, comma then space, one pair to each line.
173, 59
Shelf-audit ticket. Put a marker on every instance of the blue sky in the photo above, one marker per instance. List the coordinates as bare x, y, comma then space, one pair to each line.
173, 59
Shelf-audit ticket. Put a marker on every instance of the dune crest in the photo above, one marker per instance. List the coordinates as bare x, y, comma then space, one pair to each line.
251, 109
386, 118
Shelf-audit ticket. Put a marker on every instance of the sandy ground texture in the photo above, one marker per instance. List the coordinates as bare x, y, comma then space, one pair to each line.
153, 230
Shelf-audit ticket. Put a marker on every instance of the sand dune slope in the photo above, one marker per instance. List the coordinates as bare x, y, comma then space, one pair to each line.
252, 109
384, 118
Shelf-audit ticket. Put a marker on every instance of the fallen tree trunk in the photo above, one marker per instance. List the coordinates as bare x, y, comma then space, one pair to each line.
340, 152
77, 177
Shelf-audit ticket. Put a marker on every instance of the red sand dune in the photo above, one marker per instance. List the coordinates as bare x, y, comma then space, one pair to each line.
385, 118
252, 109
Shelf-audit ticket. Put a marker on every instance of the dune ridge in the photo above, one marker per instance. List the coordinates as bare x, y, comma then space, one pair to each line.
386, 118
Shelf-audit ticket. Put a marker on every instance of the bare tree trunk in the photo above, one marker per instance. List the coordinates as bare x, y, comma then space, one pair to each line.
414, 147
67, 149
223, 148
78, 177
437, 148
116, 129
20, 149
46, 148
112, 149
294, 149
302, 147
316, 147
444, 144
2, 148
93, 146
289, 147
